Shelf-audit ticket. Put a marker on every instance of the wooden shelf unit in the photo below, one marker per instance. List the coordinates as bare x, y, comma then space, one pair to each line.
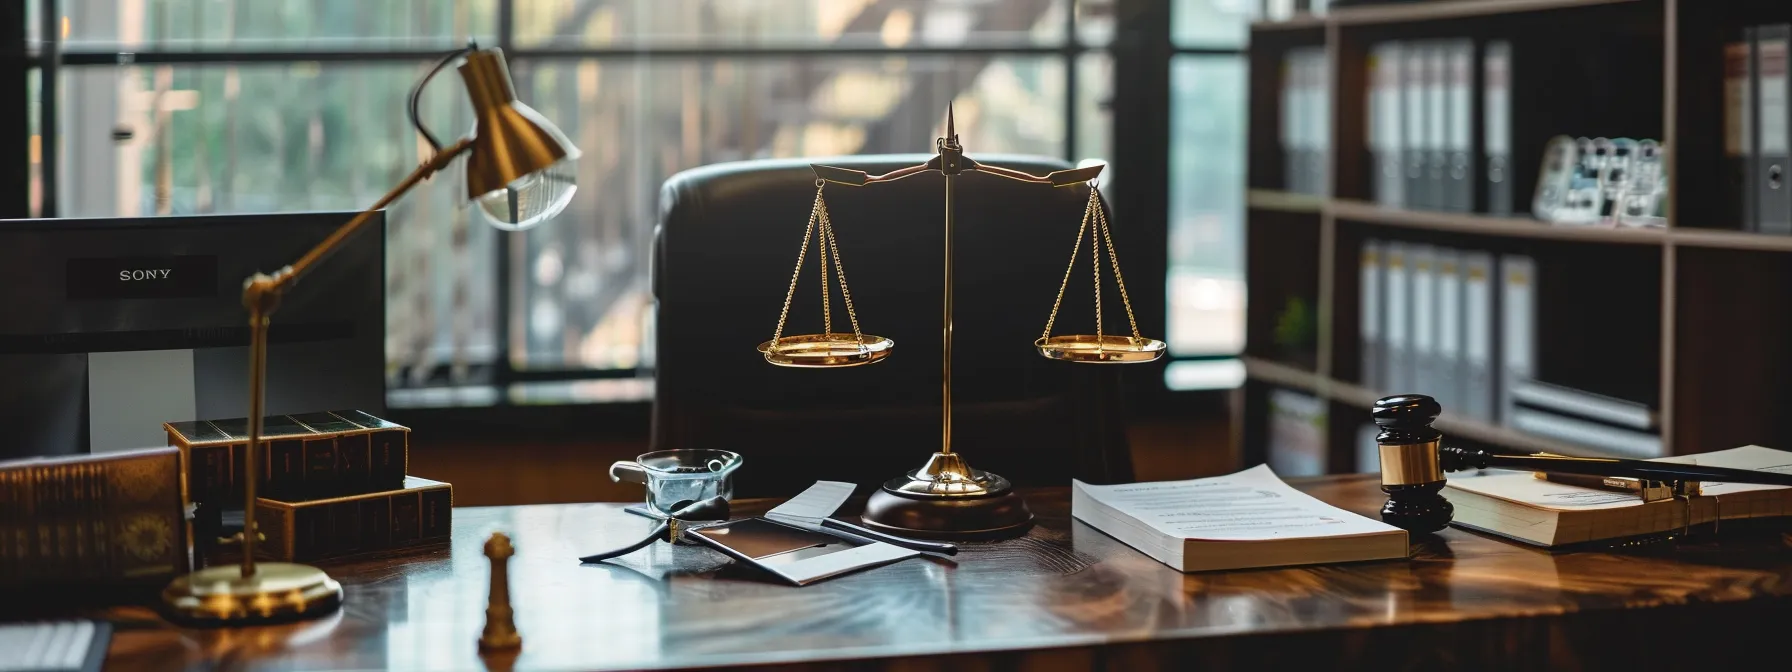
1725, 295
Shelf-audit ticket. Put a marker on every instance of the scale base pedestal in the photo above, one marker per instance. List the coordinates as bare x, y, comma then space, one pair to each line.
946, 499
278, 592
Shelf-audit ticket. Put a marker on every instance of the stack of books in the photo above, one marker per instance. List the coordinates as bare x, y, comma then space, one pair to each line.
330, 484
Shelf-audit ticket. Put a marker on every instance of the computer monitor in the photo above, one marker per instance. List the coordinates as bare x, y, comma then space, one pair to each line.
110, 327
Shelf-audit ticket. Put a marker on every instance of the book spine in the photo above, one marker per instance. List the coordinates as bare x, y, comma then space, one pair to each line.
1497, 127
1369, 318
390, 457
1447, 369
350, 526
1518, 333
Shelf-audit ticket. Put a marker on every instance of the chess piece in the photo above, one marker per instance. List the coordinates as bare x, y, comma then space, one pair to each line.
500, 622
1411, 473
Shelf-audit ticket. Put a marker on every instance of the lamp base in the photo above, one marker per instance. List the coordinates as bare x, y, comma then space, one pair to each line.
947, 499
279, 591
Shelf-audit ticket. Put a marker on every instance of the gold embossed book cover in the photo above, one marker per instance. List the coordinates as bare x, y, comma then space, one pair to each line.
93, 518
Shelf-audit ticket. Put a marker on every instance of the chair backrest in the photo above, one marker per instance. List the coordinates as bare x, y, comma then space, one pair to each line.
723, 254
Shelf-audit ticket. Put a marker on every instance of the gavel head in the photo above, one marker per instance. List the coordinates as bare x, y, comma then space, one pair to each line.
1411, 473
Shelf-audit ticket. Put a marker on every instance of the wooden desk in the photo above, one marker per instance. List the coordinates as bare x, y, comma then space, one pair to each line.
1065, 597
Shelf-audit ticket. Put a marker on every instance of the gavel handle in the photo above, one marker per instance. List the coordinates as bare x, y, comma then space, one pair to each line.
1457, 459
658, 533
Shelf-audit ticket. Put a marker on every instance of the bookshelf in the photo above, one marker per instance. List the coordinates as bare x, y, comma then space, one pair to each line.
1697, 314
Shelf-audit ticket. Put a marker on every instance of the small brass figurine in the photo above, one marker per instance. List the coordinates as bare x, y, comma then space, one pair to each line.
500, 622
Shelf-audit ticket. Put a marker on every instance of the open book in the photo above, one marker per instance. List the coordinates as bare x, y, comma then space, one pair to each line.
1520, 506
1247, 519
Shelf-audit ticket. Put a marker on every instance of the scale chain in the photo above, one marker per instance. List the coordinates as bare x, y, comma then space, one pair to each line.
821, 246
1113, 258
1095, 265
1074, 251
827, 230
803, 251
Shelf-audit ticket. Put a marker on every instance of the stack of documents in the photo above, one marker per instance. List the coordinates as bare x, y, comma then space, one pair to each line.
1247, 519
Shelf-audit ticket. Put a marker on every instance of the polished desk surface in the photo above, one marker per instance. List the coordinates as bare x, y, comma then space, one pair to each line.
1064, 597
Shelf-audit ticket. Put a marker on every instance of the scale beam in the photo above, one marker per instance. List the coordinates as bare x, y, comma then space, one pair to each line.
859, 178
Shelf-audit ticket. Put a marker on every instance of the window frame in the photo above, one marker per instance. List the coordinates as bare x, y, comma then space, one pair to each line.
1141, 52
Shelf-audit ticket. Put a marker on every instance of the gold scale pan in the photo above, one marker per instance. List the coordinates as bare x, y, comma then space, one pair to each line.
833, 350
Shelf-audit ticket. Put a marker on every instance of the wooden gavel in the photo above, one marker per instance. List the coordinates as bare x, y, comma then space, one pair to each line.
1413, 462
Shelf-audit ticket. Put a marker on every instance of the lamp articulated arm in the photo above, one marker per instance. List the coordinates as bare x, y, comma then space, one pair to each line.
261, 295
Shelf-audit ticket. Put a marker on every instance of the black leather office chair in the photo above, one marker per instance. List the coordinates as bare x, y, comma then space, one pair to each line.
723, 252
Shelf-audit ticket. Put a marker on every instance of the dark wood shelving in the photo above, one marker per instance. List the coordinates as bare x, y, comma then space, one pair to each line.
1284, 201
1511, 227
1301, 21
1285, 375
1730, 240
1451, 9
1692, 319
1486, 225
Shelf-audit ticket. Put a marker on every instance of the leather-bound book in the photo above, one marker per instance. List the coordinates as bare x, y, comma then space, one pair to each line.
303, 456
93, 520
307, 531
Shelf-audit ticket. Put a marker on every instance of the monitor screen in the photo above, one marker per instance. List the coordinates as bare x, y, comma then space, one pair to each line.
114, 326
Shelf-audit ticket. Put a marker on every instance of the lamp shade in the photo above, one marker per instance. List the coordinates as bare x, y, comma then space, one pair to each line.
520, 170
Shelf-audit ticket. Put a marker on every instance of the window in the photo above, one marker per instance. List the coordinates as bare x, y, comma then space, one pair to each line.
1207, 187
220, 106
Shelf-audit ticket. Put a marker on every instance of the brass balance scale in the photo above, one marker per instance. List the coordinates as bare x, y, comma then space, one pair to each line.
946, 498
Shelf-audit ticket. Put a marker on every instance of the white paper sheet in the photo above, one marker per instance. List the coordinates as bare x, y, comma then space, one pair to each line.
806, 510
1753, 458
814, 504
1251, 505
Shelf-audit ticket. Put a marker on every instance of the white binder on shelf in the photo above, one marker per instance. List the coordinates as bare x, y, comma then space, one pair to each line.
1437, 124
1319, 121
1296, 444
1459, 125
1370, 318
1385, 141
1478, 380
1447, 363
1415, 136
1395, 335
1293, 122
1567, 428
1518, 334
1421, 262
1496, 126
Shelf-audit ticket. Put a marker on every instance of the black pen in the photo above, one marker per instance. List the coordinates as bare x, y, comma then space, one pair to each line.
893, 540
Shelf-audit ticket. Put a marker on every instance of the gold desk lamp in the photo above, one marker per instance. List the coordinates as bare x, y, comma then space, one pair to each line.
519, 173
946, 498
